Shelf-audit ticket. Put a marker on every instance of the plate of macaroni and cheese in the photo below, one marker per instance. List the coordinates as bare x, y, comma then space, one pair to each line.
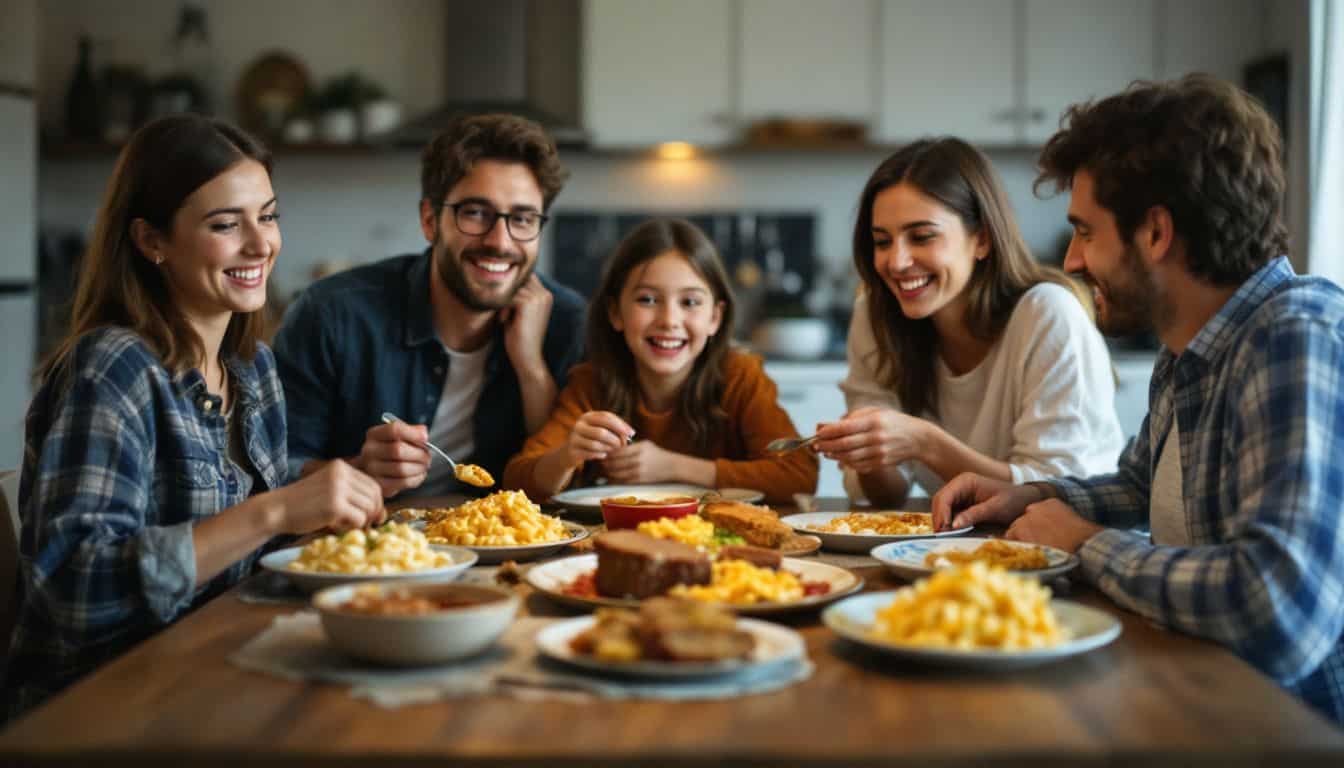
974, 616
506, 525
391, 552
858, 532
747, 589
921, 557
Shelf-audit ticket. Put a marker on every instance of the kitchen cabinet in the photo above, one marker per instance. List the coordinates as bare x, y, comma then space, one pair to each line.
810, 393
947, 68
801, 58
658, 70
1001, 73
1078, 50
18, 44
1214, 36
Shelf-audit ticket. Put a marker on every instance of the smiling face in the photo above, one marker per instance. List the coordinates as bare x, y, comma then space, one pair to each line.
667, 312
222, 245
922, 252
1122, 287
484, 271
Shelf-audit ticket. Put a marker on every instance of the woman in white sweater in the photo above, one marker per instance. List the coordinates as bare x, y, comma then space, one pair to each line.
965, 354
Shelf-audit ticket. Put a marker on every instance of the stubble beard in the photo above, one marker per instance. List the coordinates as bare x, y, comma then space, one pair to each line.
452, 272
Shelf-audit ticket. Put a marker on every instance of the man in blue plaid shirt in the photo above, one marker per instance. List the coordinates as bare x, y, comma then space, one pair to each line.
1238, 470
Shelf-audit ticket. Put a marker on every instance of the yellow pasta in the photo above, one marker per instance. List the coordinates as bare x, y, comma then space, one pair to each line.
891, 524
1014, 557
691, 529
472, 474
971, 607
741, 583
502, 519
393, 548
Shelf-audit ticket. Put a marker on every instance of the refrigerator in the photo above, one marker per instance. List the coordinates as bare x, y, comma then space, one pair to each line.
18, 221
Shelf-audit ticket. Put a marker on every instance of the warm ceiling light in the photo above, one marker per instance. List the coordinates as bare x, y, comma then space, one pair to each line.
676, 150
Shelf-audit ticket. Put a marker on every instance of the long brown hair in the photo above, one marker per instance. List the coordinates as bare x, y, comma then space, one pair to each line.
699, 404
961, 179
162, 164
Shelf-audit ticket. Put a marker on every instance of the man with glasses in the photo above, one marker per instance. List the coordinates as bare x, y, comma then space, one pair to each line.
464, 342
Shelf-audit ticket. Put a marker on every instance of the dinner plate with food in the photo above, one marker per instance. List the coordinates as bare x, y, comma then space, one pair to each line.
707, 526
391, 552
669, 638
591, 497
921, 557
629, 566
973, 616
858, 531
505, 525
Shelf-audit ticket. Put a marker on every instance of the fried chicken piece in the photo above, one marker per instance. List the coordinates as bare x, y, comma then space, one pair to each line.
756, 525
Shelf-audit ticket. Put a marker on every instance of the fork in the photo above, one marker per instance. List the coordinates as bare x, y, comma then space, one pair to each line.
389, 418
786, 444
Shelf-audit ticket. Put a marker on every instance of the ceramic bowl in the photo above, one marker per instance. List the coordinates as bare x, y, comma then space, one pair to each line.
629, 511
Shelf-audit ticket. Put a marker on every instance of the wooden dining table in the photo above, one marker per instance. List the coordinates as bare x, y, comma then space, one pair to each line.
1151, 698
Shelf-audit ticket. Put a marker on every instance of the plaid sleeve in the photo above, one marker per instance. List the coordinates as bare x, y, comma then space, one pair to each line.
1118, 499
1273, 590
93, 564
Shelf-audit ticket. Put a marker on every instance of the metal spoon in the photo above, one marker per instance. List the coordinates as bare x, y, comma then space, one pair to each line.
786, 444
389, 418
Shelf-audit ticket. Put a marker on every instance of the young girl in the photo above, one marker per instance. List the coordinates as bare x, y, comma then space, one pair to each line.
154, 453
664, 397
965, 354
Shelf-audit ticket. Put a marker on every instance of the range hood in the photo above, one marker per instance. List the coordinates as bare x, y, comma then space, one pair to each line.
515, 56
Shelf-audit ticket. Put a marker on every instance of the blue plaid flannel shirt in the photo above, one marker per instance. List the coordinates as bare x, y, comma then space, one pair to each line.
1260, 397
120, 461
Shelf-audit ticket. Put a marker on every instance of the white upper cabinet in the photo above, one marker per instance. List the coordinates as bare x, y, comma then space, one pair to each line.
947, 68
1214, 36
803, 58
658, 70
1077, 50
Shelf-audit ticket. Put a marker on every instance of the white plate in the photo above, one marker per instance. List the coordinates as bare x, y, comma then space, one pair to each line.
591, 497
860, 543
906, 558
852, 619
492, 555
551, 579
774, 645
279, 560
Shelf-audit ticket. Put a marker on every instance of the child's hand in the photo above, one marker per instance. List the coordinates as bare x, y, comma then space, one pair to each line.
595, 435
642, 462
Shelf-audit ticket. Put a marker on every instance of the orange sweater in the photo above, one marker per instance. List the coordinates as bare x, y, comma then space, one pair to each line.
754, 418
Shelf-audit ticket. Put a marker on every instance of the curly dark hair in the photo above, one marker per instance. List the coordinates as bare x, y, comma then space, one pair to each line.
1198, 146
470, 138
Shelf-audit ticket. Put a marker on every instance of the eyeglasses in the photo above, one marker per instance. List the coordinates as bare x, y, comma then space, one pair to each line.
479, 219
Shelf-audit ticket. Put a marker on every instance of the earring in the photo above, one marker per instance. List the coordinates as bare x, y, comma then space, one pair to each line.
158, 260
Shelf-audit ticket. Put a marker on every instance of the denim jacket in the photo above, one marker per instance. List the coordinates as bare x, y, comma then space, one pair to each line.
363, 342
121, 459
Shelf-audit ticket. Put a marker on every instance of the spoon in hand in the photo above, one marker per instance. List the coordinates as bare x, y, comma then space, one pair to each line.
467, 473
786, 444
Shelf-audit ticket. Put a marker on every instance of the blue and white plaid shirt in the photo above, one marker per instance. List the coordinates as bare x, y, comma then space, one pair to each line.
1260, 397
121, 460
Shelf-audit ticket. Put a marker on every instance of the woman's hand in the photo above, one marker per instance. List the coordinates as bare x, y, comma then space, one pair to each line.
595, 435
870, 438
337, 496
641, 462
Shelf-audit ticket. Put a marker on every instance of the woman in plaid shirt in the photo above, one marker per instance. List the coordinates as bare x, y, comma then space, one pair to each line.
154, 454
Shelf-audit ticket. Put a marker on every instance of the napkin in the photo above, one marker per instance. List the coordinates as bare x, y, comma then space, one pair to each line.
294, 647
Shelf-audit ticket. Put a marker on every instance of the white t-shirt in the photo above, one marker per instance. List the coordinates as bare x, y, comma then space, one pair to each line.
453, 428
1042, 400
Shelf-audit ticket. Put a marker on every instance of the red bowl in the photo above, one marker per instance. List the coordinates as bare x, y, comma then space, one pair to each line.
629, 511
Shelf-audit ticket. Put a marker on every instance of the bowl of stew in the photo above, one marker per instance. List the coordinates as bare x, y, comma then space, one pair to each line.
414, 624
629, 511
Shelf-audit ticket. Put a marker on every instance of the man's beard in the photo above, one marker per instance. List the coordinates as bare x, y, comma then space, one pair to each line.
452, 269
1130, 305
